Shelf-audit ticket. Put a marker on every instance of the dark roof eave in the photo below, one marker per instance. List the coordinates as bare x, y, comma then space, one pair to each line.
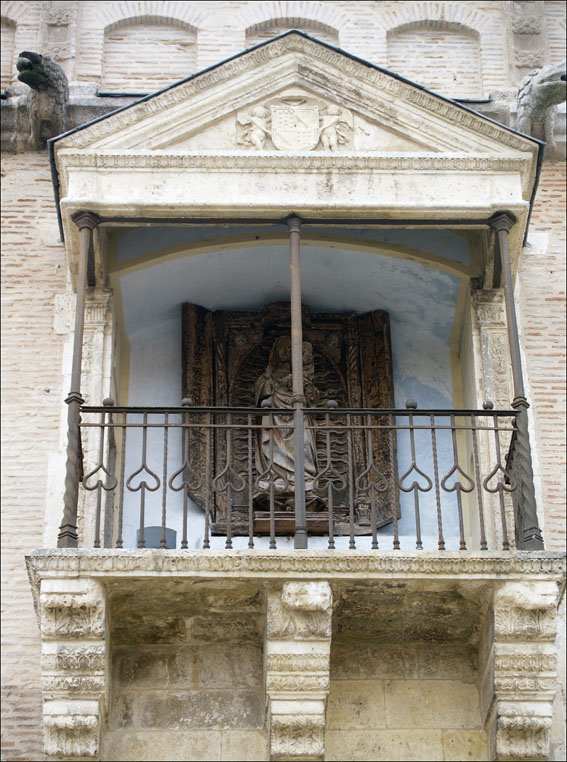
51, 143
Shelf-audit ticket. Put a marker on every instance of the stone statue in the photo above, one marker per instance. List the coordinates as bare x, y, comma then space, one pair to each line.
48, 99
538, 91
275, 385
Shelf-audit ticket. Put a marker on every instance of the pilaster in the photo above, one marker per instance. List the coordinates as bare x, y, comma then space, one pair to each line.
73, 631
298, 646
525, 669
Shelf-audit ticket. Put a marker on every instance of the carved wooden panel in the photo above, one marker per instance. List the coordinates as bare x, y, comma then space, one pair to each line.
224, 355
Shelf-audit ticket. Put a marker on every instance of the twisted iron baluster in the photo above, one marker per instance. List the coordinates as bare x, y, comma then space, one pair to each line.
366, 482
184, 471
330, 475
162, 542
458, 486
501, 486
393, 497
143, 486
250, 484
99, 484
208, 482
483, 543
232, 480
119, 540
351, 542
414, 486
441, 543
270, 476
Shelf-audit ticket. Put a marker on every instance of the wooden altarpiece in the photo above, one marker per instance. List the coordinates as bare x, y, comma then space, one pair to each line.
226, 352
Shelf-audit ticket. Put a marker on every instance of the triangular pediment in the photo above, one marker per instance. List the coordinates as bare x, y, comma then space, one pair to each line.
295, 95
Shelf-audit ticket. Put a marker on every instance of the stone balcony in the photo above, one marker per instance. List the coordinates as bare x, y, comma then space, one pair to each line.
157, 654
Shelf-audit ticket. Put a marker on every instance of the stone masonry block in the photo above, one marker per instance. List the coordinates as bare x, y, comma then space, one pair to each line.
163, 746
462, 745
230, 667
356, 704
201, 709
142, 667
244, 745
431, 704
391, 745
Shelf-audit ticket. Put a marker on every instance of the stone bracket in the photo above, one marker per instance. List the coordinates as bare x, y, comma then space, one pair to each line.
73, 630
525, 669
298, 647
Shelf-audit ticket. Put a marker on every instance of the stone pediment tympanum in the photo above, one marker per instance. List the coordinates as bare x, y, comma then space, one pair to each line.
295, 125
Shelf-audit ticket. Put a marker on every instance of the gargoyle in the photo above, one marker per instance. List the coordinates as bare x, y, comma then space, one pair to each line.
538, 91
48, 99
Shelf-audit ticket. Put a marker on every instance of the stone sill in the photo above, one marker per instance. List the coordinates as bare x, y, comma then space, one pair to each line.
294, 564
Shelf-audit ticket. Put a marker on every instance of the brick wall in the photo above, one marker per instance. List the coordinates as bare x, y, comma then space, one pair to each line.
33, 272
225, 28
542, 273
130, 54
447, 59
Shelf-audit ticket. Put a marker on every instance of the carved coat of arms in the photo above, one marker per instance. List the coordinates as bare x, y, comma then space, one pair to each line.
295, 124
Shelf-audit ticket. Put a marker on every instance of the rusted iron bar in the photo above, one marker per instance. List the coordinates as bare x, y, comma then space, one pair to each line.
68, 533
529, 536
294, 226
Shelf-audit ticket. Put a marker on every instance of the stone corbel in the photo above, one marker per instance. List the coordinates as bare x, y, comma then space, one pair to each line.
525, 669
298, 644
72, 617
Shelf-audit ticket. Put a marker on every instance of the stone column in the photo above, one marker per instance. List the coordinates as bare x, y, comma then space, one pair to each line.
73, 656
491, 350
298, 647
525, 669
491, 381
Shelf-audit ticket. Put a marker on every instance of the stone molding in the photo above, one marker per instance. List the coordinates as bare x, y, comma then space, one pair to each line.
316, 564
275, 160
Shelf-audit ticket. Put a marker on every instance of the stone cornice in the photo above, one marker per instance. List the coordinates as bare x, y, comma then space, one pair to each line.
283, 161
316, 564
344, 65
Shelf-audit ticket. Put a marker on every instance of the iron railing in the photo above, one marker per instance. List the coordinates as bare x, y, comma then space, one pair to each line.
376, 479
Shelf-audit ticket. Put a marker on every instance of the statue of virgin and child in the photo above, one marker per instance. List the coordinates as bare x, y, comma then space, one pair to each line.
276, 457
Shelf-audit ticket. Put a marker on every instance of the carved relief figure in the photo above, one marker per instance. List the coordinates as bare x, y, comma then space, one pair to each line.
275, 385
334, 128
295, 124
256, 127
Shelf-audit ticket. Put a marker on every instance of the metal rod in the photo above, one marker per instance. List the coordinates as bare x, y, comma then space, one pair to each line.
162, 541
529, 533
441, 541
483, 543
68, 532
294, 225
228, 544
351, 477
250, 485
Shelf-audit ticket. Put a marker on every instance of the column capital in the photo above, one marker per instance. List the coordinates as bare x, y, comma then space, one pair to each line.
294, 223
502, 221
84, 219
